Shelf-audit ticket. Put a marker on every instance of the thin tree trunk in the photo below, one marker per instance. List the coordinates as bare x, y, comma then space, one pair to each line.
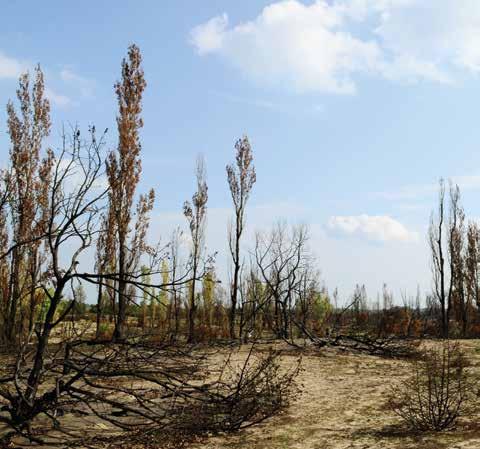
99, 309
119, 333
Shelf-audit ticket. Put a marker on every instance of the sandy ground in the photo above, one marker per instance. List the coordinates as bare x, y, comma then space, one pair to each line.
342, 406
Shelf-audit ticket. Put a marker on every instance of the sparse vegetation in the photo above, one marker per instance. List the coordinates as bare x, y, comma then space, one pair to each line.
164, 345
437, 393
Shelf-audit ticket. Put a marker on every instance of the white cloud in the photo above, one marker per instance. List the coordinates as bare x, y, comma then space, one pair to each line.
84, 85
318, 46
57, 99
294, 44
69, 75
13, 68
440, 32
209, 36
380, 228
10, 67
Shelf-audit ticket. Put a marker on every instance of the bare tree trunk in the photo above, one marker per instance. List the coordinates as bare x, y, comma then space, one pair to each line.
438, 259
14, 297
195, 213
99, 309
241, 178
192, 309
234, 291
120, 331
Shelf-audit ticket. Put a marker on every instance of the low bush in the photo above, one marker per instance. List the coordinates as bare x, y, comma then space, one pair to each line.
438, 391
243, 394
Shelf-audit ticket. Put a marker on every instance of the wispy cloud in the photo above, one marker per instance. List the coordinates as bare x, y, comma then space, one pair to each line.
422, 191
12, 68
58, 99
317, 110
86, 86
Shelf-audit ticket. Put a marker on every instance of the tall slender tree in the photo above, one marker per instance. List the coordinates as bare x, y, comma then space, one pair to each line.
123, 170
446, 238
472, 264
457, 259
196, 214
28, 189
437, 247
105, 263
240, 176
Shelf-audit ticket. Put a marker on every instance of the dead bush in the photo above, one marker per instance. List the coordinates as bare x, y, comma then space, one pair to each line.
140, 387
242, 395
437, 392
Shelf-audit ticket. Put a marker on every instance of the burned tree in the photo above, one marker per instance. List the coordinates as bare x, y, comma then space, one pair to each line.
174, 315
281, 259
123, 170
70, 218
196, 214
457, 259
105, 263
136, 383
28, 183
439, 271
472, 264
241, 178
45, 376
447, 244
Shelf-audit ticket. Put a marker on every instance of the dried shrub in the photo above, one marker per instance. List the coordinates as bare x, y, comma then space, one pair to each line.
437, 392
391, 347
241, 396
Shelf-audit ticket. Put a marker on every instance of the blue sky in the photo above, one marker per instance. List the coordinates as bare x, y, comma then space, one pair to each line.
354, 109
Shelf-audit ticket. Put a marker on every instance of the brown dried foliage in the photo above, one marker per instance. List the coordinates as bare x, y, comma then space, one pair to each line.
123, 171
26, 185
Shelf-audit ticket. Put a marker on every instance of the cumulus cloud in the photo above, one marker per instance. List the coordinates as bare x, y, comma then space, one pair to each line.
380, 228
291, 43
318, 46
10, 67
208, 37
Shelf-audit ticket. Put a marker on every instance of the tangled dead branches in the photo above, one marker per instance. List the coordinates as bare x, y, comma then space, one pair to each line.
437, 392
244, 393
135, 386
